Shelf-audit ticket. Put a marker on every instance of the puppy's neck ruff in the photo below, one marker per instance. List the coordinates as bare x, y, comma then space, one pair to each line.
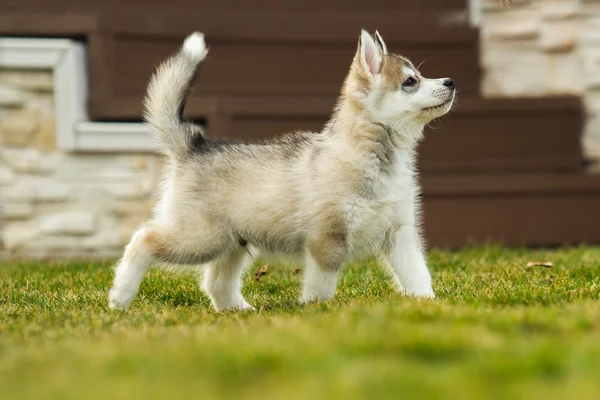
352, 121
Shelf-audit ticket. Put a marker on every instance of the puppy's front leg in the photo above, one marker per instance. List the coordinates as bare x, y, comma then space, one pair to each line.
408, 264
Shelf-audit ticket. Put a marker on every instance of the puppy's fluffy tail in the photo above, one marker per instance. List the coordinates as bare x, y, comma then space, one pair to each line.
166, 96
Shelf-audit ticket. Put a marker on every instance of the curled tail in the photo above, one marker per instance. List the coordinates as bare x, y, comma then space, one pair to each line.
166, 95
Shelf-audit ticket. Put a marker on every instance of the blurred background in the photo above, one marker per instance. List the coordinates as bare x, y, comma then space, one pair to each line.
517, 162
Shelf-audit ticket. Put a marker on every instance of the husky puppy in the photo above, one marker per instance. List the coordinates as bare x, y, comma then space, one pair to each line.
345, 194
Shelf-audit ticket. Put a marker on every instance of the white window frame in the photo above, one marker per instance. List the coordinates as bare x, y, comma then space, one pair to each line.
474, 12
74, 132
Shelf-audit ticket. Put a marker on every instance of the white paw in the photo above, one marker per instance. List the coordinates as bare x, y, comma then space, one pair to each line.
245, 306
195, 47
237, 305
422, 294
120, 299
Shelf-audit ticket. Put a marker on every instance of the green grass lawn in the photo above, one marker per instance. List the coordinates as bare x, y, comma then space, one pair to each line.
498, 330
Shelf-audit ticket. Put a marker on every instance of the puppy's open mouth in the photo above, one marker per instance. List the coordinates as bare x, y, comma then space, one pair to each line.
441, 105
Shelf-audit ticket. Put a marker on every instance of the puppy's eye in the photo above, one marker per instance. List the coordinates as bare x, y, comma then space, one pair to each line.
409, 82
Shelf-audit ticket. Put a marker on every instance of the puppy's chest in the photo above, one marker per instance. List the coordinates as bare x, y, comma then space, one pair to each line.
372, 218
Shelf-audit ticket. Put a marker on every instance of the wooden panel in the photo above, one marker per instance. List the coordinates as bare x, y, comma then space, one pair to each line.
512, 209
513, 184
549, 220
67, 24
251, 68
195, 5
414, 27
269, 53
476, 143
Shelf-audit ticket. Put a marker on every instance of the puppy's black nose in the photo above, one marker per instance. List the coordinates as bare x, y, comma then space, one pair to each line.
449, 83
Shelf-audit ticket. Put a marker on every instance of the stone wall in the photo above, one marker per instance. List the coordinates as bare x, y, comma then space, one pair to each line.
541, 48
58, 204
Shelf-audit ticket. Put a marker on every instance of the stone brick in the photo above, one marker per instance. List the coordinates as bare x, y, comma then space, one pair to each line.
590, 30
591, 149
564, 74
22, 160
7, 175
20, 127
104, 240
51, 191
15, 211
559, 36
591, 102
501, 54
505, 74
32, 80
68, 223
56, 245
10, 97
589, 7
97, 168
496, 5
93, 197
44, 102
141, 162
50, 162
590, 57
46, 137
517, 24
21, 190
129, 191
591, 138
19, 234
513, 71
558, 10
129, 208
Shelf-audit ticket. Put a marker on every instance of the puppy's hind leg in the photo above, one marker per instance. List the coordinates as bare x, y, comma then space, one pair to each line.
222, 281
139, 254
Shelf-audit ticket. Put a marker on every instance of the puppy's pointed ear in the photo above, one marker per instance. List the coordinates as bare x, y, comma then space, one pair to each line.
380, 42
370, 54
